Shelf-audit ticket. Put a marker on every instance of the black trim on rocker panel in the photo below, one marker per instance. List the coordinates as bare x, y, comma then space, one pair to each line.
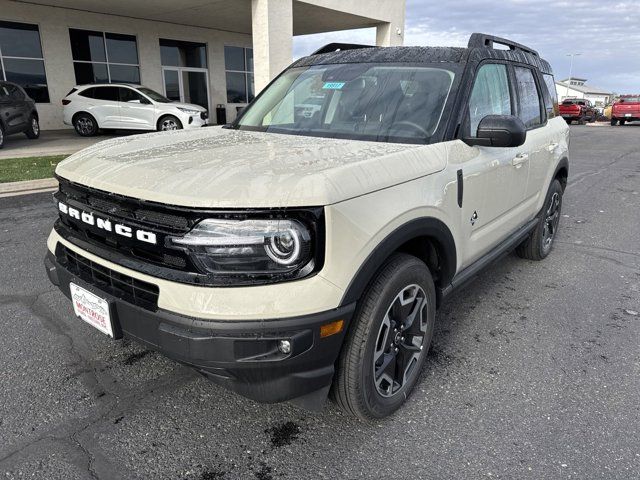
470, 272
421, 227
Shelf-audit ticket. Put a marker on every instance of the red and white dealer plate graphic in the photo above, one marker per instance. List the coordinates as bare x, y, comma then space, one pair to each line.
91, 308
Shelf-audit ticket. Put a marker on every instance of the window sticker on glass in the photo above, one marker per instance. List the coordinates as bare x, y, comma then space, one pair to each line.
333, 85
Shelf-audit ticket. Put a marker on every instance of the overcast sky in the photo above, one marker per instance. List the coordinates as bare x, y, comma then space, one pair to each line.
605, 32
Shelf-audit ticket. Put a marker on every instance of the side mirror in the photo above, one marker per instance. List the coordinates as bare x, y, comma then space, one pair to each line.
499, 131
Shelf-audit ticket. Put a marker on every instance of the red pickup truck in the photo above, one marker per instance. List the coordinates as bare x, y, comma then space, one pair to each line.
626, 109
578, 109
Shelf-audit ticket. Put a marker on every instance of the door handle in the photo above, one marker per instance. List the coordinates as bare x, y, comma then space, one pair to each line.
519, 159
552, 146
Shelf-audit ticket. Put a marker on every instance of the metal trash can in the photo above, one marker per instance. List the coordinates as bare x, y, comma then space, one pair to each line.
221, 114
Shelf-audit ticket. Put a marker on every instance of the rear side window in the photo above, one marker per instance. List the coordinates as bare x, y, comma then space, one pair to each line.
490, 95
530, 108
106, 93
551, 99
88, 93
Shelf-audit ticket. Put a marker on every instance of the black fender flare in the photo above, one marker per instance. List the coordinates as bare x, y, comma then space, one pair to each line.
430, 227
563, 164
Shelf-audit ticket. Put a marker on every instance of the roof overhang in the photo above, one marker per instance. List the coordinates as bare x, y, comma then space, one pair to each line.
235, 15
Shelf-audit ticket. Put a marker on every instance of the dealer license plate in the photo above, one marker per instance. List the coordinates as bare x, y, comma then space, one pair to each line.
91, 308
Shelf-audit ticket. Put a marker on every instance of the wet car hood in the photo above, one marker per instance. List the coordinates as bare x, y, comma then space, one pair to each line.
223, 168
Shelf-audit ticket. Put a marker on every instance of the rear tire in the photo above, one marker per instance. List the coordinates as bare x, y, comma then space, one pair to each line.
34, 128
2, 135
168, 123
388, 341
85, 125
540, 242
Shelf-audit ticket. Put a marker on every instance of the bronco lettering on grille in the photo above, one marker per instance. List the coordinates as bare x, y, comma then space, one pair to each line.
107, 225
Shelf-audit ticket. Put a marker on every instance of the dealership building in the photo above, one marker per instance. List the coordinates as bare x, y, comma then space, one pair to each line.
214, 53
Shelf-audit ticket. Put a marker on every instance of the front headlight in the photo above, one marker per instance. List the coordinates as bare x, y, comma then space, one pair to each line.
250, 247
189, 111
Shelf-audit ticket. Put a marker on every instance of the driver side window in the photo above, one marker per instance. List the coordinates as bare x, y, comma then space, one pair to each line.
490, 95
129, 95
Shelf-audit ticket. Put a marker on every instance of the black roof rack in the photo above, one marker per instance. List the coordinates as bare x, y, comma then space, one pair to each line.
334, 47
482, 40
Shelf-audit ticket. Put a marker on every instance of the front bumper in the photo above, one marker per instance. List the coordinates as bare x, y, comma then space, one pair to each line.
241, 355
193, 120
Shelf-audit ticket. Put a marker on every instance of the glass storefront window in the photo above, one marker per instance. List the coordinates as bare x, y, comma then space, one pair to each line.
100, 57
238, 63
176, 53
21, 56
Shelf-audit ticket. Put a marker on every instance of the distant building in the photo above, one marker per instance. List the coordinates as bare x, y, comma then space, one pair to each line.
576, 88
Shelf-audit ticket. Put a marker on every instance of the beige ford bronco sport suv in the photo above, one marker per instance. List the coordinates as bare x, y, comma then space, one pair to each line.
300, 252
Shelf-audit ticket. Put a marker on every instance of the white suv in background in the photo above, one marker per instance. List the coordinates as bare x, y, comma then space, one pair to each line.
89, 108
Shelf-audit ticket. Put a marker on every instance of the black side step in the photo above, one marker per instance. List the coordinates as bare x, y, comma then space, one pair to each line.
472, 271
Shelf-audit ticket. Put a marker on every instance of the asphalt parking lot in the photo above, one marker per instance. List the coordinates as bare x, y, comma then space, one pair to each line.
534, 371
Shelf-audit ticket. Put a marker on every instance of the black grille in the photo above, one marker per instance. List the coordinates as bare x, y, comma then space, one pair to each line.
127, 288
160, 259
145, 214
158, 219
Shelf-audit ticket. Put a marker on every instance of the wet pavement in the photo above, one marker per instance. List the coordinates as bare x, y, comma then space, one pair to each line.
534, 371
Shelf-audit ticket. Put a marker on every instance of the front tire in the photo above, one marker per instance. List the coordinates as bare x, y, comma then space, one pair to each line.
388, 341
2, 135
614, 122
622, 122
168, 123
85, 125
33, 131
539, 243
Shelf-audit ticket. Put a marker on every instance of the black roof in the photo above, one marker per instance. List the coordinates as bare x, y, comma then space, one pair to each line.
480, 47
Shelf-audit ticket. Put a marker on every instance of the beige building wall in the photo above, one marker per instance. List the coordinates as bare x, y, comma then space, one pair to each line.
273, 24
54, 24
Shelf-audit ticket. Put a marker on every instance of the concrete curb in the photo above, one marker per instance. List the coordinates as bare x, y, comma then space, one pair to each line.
30, 186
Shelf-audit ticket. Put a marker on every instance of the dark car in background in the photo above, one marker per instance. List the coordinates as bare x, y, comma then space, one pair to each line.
626, 109
18, 112
578, 109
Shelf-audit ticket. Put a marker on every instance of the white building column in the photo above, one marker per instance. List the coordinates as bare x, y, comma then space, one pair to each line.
272, 25
389, 35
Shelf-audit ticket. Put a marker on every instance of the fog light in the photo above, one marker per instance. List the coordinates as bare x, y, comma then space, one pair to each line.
284, 346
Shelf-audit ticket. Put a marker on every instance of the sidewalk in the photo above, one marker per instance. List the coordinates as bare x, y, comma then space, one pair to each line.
51, 142
12, 189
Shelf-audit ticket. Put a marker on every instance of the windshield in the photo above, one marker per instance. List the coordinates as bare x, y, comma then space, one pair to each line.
380, 102
629, 99
153, 95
